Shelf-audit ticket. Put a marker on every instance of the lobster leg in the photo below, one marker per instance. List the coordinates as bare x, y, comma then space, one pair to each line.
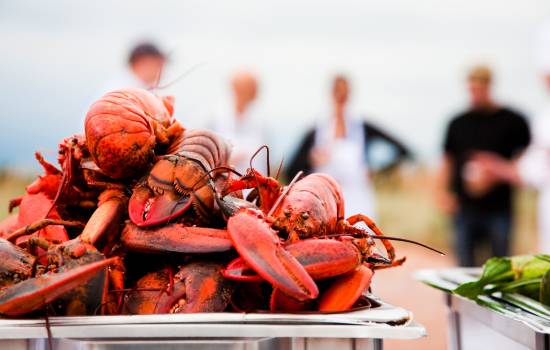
269, 189
32, 294
262, 250
175, 238
114, 301
345, 290
106, 218
352, 220
14, 203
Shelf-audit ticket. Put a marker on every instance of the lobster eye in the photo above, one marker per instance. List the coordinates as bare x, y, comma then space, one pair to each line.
305, 215
286, 211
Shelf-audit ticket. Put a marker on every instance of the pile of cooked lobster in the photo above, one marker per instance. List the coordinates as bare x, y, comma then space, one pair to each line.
145, 216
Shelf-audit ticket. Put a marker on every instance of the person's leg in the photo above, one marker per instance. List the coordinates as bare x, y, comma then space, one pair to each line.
500, 227
464, 230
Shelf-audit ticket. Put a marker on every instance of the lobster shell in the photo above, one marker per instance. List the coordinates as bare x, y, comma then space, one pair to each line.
124, 127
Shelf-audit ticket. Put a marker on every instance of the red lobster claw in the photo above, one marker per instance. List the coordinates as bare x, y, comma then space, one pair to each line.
262, 250
321, 258
345, 290
32, 294
238, 270
175, 238
147, 209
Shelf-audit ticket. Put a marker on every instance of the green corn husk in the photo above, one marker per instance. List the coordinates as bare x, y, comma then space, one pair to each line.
521, 274
544, 294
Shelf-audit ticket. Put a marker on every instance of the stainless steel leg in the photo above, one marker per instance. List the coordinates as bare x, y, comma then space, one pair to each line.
453, 329
337, 343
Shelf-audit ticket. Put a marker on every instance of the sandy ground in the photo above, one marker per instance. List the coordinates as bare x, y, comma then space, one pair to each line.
398, 287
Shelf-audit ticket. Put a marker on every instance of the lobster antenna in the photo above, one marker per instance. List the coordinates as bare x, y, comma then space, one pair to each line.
266, 147
285, 192
390, 238
178, 78
279, 168
400, 239
65, 179
209, 174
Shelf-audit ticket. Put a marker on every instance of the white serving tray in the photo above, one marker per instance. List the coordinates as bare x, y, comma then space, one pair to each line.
386, 321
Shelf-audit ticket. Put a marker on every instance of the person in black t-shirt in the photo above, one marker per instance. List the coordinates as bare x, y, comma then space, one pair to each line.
481, 203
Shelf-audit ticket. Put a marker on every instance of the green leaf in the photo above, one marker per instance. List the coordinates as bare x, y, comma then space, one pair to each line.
530, 266
544, 295
495, 270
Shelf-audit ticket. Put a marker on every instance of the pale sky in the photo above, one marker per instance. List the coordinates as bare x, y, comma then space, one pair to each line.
407, 61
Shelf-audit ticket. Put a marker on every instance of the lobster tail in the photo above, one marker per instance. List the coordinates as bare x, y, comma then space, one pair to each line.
124, 127
203, 146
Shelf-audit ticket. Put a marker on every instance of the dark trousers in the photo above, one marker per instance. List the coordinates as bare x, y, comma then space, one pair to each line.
474, 226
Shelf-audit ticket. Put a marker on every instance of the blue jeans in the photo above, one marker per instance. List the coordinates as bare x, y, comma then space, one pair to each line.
472, 225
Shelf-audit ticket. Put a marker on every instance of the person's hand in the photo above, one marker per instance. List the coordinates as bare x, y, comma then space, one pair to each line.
319, 156
478, 178
446, 201
500, 168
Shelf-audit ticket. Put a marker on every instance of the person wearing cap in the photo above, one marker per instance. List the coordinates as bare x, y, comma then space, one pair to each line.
480, 203
146, 63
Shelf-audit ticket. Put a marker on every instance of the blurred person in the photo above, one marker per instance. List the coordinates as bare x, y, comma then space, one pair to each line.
237, 121
339, 146
480, 203
145, 65
146, 62
533, 167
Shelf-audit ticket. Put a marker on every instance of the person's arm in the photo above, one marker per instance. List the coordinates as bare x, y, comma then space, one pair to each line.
516, 170
301, 160
445, 198
373, 132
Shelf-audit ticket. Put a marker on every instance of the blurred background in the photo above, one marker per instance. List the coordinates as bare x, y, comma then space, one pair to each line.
406, 64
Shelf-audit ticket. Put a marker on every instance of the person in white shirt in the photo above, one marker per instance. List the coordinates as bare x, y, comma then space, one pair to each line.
238, 122
339, 145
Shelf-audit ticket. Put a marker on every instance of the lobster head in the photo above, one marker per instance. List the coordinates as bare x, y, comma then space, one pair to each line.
174, 185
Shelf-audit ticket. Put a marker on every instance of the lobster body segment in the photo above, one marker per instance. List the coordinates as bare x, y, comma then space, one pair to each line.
125, 127
312, 207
